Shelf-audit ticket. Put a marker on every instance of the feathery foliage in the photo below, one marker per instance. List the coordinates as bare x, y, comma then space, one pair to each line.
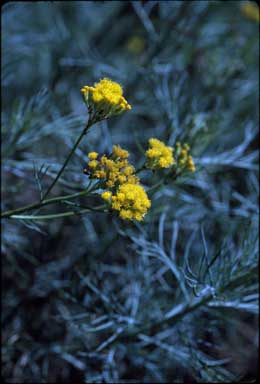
91, 298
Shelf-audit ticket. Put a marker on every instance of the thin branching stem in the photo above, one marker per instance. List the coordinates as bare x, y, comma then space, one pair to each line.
59, 215
83, 133
42, 203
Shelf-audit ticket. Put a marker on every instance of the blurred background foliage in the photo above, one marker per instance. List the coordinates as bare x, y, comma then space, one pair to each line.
96, 299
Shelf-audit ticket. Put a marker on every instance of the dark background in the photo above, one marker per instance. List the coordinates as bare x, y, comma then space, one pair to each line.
190, 71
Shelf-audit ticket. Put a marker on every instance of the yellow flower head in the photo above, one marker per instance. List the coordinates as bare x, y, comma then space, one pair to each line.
106, 195
190, 164
92, 155
159, 155
114, 170
119, 152
131, 201
251, 10
93, 164
105, 99
184, 160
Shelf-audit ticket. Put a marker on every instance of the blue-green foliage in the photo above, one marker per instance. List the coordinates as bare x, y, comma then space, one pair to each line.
95, 299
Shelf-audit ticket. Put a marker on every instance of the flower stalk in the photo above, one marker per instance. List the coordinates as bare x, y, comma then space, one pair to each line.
58, 215
83, 133
30, 207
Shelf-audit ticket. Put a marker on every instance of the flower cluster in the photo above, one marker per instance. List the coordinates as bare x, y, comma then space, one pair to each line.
184, 160
113, 170
124, 193
121, 186
130, 200
105, 99
159, 155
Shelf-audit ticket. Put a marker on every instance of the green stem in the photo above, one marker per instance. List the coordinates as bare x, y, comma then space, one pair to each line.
141, 168
55, 215
55, 199
89, 123
29, 207
155, 187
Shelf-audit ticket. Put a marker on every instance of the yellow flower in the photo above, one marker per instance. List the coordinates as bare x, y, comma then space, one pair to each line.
106, 195
159, 155
115, 170
251, 10
100, 174
190, 164
119, 152
131, 201
93, 164
133, 179
184, 160
120, 197
183, 153
164, 162
128, 170
92, 155
125, 214
105, 99
110, 183
121, 179
186, 146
